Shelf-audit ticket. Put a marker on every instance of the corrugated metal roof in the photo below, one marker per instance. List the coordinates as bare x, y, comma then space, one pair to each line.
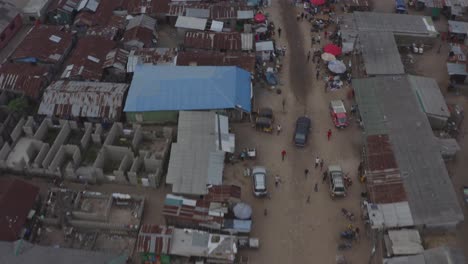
379, 154
83, 99
143, 21
434, 3
218, 41
116, 58
242, 60
223, 193
399, 24
195, 160
245, 14
161, 88
428, 187
86, 61
25, 79
456, 69
191, 23
150, 7
197, 12
458, 27
102, 15
154, 56
439, 255
8, 12
247, 40
17, 198
264, 46
216, 26
45, 44
429, 96
404, 242
391, 215
154, 239
358, 3
380, 53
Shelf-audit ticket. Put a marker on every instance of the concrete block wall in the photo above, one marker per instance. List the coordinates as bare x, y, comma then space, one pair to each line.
93, 216
86, 139
106, 227
65, 151
58, 142
18, 130
133, 172
96, 136
154, 179
115, 131
43, 128
137, 136
4, 151
41, 156
28, 127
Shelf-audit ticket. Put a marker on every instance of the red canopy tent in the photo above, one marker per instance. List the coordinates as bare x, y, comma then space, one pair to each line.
259, 18
317, 2
332, 49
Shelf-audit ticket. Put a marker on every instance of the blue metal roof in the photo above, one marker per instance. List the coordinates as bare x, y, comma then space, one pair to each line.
169, 88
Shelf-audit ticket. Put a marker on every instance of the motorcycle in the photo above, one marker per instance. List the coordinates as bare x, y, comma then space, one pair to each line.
348, 214
348, 234
344, 246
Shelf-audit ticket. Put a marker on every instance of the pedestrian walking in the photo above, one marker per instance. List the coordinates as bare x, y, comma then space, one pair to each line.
283, 51
283, 154
284, 104
326, 87
321, 164
326, 34
279, 32
356, 233
329, 134
438, 50
316, 187
308, 199
277, 180
318, 39
278, 129
306, 173
308, 56
302, 16
317, 74
265, 212
324, 177
298, 17
317, 162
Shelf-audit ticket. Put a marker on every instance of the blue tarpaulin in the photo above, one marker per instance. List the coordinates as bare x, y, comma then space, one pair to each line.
174, 88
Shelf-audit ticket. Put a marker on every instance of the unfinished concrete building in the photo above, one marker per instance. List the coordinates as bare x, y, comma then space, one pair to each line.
87, 153
86, 220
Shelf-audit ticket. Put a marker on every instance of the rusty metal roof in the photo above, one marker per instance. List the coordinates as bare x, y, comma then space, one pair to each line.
213, 41
154, 239
64, 5
17, 198
110, 30
44, 44
223, 193
379, 152
102, 15
26, 79
243, 60
218, 11
385, 187
362, 3
150, 7
116, 58
83, 99
141, 28
86, 61
155, 56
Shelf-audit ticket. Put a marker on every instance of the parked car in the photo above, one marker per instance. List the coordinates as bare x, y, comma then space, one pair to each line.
259, 185
302, 131
336, 178
338, 114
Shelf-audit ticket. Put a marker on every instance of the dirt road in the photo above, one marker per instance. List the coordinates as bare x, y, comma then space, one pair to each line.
297, 231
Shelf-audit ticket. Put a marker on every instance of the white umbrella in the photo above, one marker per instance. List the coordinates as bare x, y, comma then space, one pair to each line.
337, 66
328, 57
242, 211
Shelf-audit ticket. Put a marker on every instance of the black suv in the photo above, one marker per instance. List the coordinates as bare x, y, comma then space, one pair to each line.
302, 131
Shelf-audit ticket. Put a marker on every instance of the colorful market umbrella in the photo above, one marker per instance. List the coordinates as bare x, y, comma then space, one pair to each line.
328, 57
337, 66
259, 18
317, 2
332, 49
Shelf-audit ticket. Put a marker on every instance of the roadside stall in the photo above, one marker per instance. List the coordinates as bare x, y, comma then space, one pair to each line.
356, 5
458, 31
264, 49
332, 49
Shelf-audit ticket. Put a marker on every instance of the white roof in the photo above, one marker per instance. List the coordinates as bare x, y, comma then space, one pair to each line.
338, 106
264, 46
191, 22
404, 242
392, 215
246, 41
216, 26
245, 14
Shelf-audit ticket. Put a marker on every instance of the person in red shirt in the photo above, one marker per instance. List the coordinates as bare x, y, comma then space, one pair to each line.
283, 154
329, 134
